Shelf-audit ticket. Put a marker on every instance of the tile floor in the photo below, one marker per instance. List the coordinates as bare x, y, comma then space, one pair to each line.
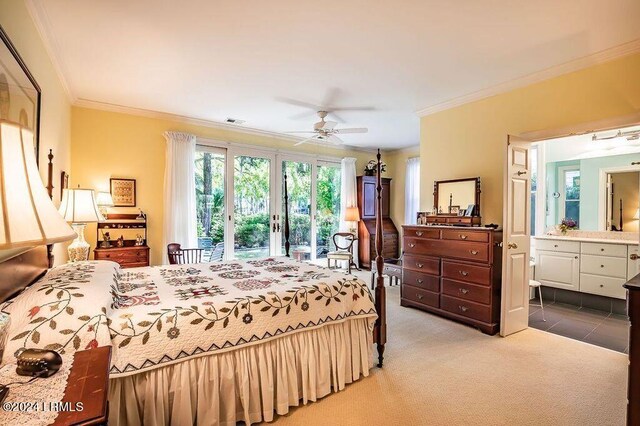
588, 325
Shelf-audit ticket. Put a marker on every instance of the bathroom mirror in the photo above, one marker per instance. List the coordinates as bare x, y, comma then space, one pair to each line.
457, 197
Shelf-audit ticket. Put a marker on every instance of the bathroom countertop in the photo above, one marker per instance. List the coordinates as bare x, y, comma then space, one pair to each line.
587, 239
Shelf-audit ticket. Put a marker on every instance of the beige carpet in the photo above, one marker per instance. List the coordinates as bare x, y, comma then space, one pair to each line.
438, 372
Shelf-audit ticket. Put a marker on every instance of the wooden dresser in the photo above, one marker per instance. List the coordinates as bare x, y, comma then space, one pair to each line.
367, 203
127, 257
455, 272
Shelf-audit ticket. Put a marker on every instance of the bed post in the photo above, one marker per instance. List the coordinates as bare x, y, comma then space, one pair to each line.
50, 192
380, 332
286, 217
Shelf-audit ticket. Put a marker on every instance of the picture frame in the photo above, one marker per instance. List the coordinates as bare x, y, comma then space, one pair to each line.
20, 94
470, 210
123, 192
454, 210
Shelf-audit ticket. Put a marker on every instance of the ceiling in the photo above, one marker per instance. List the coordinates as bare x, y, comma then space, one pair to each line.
216, 59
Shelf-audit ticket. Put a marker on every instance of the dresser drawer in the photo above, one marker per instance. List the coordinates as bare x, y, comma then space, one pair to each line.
478, 252
557, 245
418, 279
427, 265
614, 250
465, 308
423, 232
604, 286
459, 220
421, 296
475, 293
604, 265
451, 234
464, 272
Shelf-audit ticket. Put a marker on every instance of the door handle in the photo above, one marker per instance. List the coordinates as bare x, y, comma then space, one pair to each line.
520, 173
278, 226
274, 227
633, 256
513, 245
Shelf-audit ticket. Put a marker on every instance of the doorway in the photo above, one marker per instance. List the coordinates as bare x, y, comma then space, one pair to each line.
580, 273
245, 219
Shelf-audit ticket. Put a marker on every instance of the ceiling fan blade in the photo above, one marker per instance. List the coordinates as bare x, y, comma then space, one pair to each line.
302, 104
302, 115
305, 140
329, 125
352, 130
301, 131
330, 97
361, 108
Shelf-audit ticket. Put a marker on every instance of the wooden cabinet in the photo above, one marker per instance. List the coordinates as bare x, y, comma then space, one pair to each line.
367, 202
454, 272
127, 257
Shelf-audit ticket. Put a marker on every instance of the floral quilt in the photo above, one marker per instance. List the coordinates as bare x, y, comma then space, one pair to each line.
155, 316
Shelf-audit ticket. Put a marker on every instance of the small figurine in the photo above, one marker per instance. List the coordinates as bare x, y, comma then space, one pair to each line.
120, 241
106, 240
139, 240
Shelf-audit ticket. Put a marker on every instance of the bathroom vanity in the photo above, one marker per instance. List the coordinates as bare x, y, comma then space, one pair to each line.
586, 264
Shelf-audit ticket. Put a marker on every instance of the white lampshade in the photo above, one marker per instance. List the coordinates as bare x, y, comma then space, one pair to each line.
27, 214
79, 206
104, 199
352, 214
637, 215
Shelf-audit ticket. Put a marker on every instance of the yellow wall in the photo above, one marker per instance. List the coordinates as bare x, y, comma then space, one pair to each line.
470, 140
56, 109
396, 168
109, 144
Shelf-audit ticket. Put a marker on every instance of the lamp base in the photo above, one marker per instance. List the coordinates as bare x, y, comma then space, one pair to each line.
78, 250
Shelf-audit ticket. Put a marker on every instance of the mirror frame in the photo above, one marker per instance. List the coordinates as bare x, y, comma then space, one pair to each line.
436, 184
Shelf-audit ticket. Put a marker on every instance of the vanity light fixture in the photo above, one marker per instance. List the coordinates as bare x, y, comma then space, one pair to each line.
631, 135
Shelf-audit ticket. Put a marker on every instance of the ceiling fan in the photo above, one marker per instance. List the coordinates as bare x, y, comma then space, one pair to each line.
326, 131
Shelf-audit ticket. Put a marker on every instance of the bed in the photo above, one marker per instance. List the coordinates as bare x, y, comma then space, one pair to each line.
212, 343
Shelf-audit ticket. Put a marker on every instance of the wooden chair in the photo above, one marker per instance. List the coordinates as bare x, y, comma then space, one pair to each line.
180, 256
343, 251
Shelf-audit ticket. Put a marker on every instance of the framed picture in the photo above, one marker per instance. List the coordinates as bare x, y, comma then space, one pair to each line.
469, 211
454, 209
19, 91
123, 192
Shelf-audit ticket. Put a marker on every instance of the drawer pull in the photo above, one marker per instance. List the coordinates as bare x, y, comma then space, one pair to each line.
555, 245
462, 237
419, 297
463, 273
108, 255
463, 308
473, 252
601, 285
419, 233
601, 249
412, 245
420, 280
602, 266
464, 290
419, 265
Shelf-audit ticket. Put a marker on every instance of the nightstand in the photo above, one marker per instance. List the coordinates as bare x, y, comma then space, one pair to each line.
88, 383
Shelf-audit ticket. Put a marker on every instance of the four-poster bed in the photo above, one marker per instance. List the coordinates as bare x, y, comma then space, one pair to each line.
258, 317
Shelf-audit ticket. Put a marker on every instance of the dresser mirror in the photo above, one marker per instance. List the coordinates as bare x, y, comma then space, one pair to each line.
458, 197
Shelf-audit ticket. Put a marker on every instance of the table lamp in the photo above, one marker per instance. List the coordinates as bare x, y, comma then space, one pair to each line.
104, 200
79, 208
352, 215
28, 217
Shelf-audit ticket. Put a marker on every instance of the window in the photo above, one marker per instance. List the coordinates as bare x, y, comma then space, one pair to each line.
210, 200
412, 191
570, 193
328, 187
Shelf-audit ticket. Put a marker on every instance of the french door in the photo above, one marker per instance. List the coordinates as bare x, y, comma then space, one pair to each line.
240, 197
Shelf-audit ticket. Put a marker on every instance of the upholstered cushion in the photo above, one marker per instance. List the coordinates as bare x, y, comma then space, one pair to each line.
339, 255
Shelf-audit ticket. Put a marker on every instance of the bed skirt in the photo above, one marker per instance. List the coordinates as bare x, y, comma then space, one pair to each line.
246, 384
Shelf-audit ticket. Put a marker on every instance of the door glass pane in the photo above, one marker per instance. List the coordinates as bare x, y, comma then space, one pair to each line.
209, 169
251, 206
533, 154
327, 207
299, 190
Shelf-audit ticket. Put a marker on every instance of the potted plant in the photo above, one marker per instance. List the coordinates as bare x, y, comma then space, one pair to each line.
371, 167
567, 224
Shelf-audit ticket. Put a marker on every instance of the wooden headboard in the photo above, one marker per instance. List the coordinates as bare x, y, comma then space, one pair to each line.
19, 272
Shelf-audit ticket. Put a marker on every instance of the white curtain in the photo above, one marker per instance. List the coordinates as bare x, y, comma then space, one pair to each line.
180, 224
412, 191
348, 195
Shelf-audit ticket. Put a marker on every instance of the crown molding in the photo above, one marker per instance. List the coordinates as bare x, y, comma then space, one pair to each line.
43, 25
103, 106
546, 74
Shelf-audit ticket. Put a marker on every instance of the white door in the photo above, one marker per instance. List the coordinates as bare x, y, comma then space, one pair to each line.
517, 223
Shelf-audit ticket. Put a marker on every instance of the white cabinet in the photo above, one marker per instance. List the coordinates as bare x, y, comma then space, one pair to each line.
558, 269
602, 285
633, 263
